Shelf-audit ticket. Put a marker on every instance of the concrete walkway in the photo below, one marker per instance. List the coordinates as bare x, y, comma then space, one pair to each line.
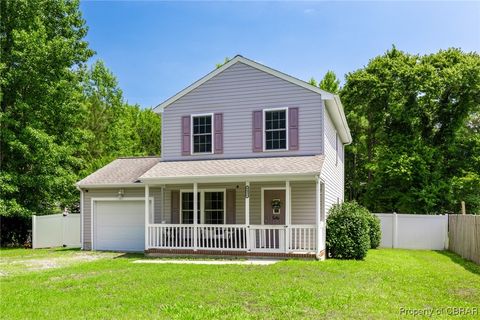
261, 262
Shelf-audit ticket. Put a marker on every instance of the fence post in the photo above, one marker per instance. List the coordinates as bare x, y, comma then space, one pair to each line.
34, 231
463, 208
394, 230
63, 217
446, 243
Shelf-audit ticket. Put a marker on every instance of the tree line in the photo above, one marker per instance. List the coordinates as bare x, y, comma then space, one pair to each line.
61, 118
415, 122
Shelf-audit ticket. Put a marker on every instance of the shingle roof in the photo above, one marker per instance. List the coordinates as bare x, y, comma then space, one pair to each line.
235, 167
120, 171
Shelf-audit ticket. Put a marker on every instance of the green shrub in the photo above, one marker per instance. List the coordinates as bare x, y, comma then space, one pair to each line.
348, 231
375, 231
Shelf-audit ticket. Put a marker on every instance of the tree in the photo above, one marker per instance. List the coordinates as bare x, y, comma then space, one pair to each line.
111, 127
415, 145
330, 83
218, 65
59, 120
42, 47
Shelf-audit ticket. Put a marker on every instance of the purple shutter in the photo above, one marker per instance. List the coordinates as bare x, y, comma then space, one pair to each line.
175, 207
186, 136
293, 129
218, 124
231, 206
257, 131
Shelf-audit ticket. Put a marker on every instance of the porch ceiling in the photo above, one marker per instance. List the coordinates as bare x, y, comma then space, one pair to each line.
299, 166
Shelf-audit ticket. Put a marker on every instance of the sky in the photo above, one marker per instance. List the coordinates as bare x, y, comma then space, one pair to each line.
156, 49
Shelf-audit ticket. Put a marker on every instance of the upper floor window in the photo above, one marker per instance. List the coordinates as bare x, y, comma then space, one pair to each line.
202, 134
276, 129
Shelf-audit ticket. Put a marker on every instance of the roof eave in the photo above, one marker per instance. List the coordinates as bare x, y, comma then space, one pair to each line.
232, 178
110, 185
335, 109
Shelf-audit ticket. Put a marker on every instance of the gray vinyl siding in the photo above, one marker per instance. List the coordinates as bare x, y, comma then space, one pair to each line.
302, 202
236, 92
113, 193
332, 172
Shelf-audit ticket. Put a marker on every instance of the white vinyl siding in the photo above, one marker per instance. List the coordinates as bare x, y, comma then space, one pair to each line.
333, 166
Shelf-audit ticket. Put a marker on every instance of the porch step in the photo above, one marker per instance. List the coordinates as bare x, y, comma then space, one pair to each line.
262, 262
240, 254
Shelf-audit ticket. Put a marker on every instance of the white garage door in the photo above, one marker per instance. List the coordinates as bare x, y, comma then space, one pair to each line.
119, 225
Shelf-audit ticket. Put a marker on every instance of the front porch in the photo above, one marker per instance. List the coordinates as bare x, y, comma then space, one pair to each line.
241, 240
250, 225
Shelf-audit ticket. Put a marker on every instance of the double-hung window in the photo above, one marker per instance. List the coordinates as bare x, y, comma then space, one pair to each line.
276, 129
187, 208
210, 207
214, 208
202, 134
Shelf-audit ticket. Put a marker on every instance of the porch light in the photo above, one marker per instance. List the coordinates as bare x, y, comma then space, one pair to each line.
247, 192
121, 192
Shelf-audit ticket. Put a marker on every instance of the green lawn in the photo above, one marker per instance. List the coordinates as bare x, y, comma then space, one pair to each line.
67, 284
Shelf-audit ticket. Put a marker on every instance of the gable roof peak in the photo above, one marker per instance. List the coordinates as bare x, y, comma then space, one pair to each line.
239, 58
332, 101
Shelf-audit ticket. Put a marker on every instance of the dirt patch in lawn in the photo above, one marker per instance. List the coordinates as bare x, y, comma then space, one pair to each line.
19, 264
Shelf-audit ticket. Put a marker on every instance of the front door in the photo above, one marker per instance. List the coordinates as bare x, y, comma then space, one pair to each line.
274, 207
274, 216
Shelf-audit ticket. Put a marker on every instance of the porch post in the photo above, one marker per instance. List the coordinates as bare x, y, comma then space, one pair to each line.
195, 215
288, 217
147, 213
247, 212
318, 215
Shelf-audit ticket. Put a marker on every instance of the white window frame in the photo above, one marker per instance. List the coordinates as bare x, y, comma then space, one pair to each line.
211, 132
202, 203
264, 129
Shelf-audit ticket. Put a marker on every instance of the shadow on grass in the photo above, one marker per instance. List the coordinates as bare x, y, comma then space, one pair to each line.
466, 264
130, 255
65, 249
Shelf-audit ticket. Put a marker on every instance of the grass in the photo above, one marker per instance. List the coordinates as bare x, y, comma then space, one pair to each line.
110, 286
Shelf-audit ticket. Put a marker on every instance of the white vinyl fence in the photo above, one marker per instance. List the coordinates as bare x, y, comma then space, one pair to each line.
56, 230
414, 231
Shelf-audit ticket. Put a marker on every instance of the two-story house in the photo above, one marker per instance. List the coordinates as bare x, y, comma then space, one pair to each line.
252, 159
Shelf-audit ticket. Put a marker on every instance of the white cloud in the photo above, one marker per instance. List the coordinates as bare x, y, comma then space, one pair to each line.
309, 11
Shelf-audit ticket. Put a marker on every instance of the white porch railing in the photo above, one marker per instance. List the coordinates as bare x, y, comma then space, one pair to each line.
222, 237
267, 238
255, 238
302, 238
